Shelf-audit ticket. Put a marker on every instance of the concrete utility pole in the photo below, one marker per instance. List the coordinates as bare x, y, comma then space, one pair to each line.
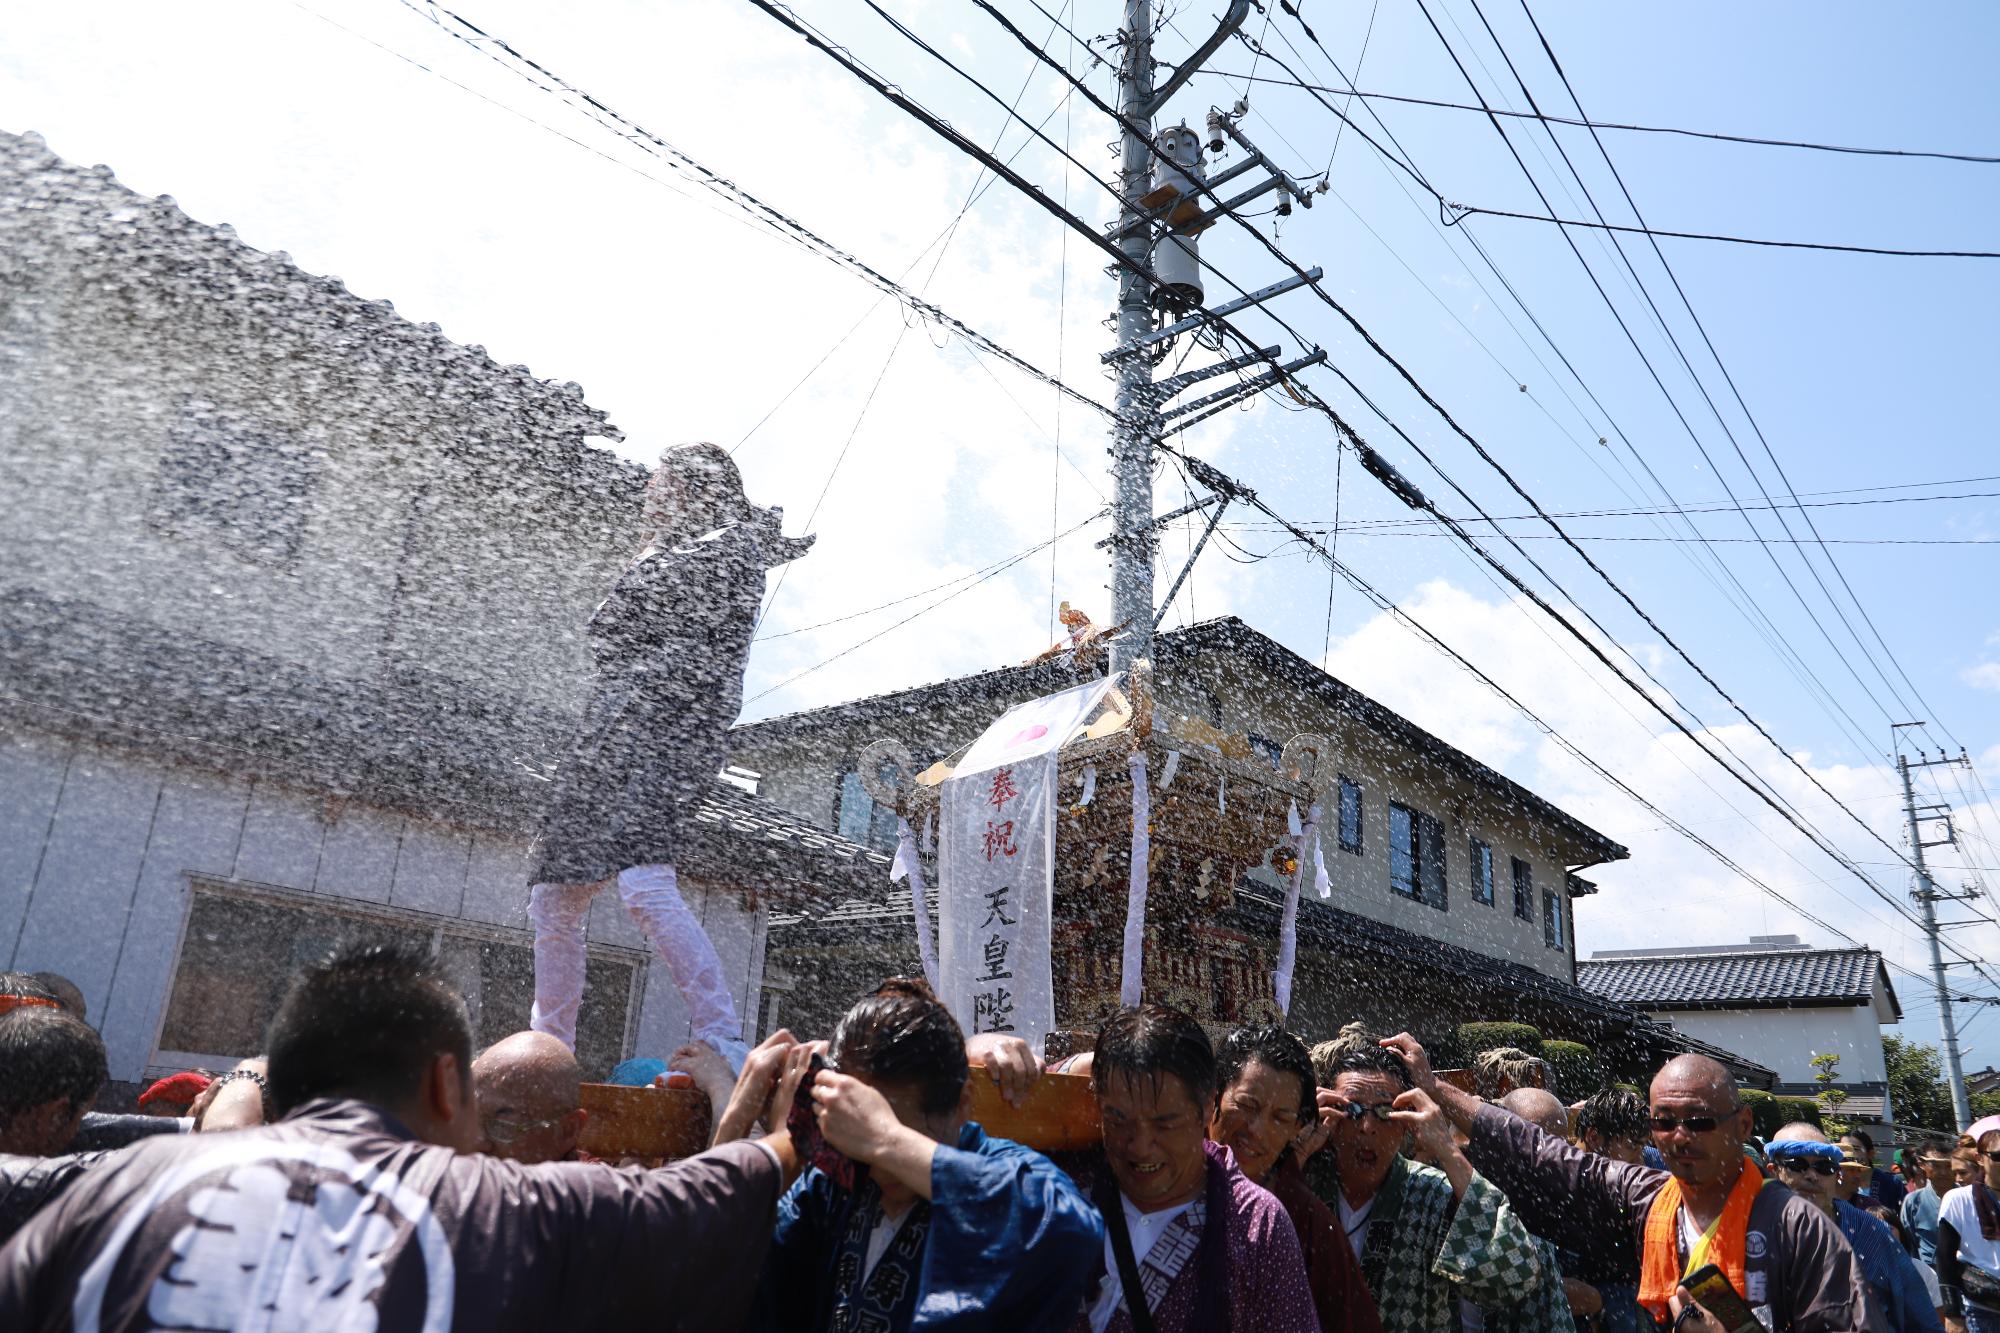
1927, 897
1133, 536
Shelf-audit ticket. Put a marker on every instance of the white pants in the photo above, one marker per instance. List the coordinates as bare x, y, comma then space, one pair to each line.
652, 895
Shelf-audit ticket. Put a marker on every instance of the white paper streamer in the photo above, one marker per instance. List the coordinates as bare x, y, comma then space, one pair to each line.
1089, 792
908, 865
1171, 771
1131, 976
1222, 794
1306, 840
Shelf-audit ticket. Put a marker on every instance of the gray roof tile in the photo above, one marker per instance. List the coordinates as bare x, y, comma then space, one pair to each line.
1751, 978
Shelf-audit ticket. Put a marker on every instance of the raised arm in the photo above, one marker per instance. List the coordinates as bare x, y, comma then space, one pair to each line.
1572, 1197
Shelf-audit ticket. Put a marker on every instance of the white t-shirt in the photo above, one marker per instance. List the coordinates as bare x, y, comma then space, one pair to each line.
1145, 1229
1355, 1222
881, 1238
1959, 1210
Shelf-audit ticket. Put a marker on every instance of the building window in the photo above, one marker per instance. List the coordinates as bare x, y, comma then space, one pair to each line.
1350, 814
221, 479
858, 819
1524, 890
1268, 750
1416, 856
240, 950
1552, 918
1482, 873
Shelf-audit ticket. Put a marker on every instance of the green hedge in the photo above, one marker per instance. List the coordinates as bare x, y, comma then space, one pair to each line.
1476, 1037
1764, 1114
1797, 1108
1578, 1072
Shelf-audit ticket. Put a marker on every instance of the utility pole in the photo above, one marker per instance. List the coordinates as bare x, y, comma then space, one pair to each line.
1165, 202
1133, 535
1927, 897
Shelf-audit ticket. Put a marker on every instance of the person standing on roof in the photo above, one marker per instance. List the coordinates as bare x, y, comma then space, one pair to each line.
670, 640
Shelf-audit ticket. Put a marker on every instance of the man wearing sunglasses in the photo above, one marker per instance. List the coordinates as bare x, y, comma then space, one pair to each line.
1811, 1168
1785, 1258
1427, 1237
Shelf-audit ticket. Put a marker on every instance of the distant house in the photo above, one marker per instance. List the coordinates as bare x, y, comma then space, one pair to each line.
290, 597
1775, 1001
1453, 886
1986, 1080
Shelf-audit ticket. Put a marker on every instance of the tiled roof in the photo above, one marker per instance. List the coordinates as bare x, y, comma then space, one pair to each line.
1752, 978
736, 814
1174, 651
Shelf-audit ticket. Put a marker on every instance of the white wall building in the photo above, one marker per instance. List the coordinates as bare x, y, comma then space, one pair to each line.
290, 599
1773, 1000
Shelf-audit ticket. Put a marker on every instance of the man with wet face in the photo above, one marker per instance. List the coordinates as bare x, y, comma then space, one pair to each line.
1186, 1232
528, 1088
1805, 1163
1268, 1118
1613, 1123
370, 1173
1427, 1237
940, 1218
1881, 1185
1783, 1256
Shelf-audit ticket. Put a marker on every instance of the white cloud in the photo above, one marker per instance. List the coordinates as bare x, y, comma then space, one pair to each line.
1985, 676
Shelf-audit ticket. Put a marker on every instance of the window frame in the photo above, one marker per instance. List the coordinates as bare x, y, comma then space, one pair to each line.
163, 1061
1409, 853
1553, 935
1524, 889
1346, 785
1429, 863
1481, 854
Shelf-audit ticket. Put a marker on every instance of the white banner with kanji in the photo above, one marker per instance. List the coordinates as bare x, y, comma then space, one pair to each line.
996, 868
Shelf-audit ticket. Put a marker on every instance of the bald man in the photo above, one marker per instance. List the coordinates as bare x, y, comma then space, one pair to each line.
528, 1088
1812, 1168
1785, 1257
1540, 1108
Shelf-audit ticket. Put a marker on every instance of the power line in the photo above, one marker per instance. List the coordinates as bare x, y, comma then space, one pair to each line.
1355, 531
1769, 798
991, 573
944, 130
1756, 427
480, 40
1741, 597
1548, 119
1652, 370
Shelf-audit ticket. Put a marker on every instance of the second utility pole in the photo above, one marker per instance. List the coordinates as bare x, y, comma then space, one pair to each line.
1927, 897
1138, 428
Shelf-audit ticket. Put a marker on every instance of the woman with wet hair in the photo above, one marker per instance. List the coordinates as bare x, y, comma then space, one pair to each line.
916, 1209
670, 642
1267, 1108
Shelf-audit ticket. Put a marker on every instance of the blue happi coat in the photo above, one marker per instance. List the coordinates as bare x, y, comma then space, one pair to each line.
1006, 1243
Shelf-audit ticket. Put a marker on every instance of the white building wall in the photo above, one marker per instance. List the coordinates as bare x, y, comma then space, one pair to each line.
99, 850
1786, 1040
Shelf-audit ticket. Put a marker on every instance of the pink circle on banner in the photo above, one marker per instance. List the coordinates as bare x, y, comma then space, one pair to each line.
1033, 733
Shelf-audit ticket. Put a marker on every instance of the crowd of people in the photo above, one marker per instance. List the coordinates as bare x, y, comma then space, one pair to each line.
371, 1170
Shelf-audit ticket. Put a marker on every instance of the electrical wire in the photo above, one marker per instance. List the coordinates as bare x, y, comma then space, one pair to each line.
1548, 119
992, 572
484, 42
1721, 575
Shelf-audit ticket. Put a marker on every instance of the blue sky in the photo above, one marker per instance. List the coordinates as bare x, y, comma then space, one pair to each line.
685, 321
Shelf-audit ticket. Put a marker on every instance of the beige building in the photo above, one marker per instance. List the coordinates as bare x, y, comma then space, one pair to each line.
1417, 834
1452, 887
290, 597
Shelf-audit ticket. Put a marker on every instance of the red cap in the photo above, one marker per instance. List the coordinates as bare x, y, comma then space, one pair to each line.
176, 1089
